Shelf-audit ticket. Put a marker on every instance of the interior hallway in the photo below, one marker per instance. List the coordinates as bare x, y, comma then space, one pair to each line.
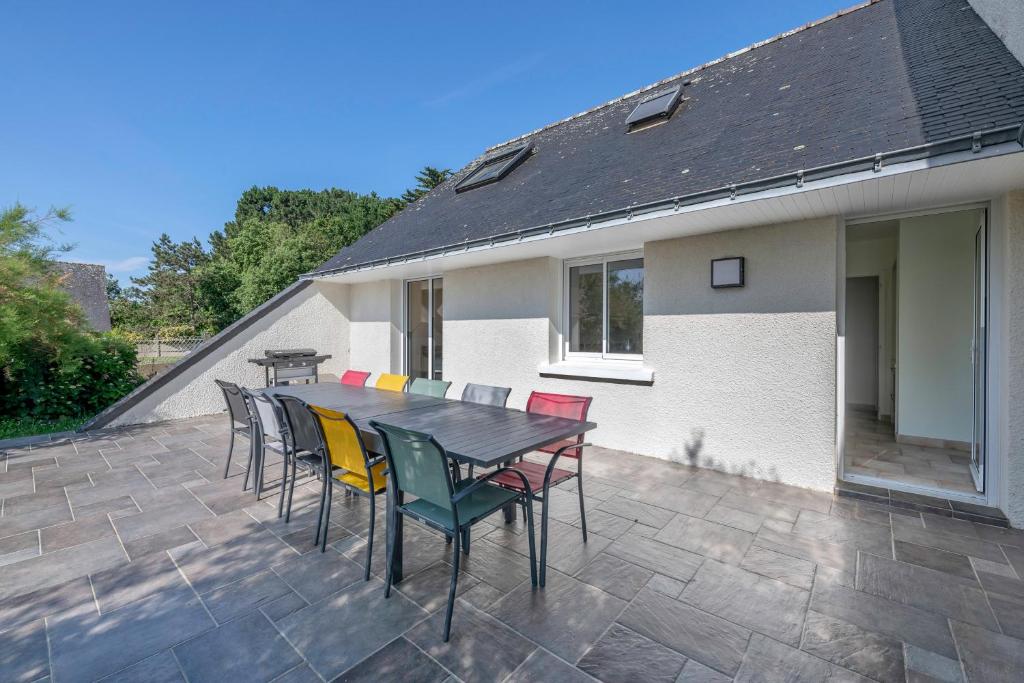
872, 450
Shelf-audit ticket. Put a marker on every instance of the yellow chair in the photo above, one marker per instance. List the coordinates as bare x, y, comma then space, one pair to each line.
351, 467
392, 382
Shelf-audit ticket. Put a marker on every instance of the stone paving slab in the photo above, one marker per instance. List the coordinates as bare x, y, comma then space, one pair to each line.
129, 557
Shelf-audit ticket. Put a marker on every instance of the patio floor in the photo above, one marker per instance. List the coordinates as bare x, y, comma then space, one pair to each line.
128, 556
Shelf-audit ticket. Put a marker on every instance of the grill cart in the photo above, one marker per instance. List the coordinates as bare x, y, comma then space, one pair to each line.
290, 365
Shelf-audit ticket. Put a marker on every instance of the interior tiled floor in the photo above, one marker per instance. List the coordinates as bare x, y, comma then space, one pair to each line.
128, 557
872, 450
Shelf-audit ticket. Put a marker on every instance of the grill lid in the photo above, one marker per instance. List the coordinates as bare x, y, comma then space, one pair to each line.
289, 353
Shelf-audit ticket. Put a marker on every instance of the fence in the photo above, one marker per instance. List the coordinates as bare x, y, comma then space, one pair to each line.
167, 348
158, 355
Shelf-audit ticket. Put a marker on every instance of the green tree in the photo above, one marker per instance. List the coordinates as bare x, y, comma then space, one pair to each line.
426, 180
129, 315
51, 364
278, 235
33, 308
171, 289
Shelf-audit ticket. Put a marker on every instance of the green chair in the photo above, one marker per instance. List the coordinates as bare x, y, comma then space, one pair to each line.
418, 465
429, 387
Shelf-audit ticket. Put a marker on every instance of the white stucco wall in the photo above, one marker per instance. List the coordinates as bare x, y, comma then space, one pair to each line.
316, 317
1009, 210
375, 341
744, 379
1006, 19
498, 326
748, 374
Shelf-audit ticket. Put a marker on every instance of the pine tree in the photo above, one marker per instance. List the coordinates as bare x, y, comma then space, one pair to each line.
426, 180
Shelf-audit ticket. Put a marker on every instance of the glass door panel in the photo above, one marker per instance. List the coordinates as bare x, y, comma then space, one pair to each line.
423, 328
979, 347
437, 325
417, 328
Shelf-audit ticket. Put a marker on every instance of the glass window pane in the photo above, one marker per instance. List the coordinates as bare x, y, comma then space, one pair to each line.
438, 319
585, 308
487, 171
417, 328
626, 306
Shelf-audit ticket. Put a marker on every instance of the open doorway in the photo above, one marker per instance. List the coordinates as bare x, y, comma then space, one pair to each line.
916, 305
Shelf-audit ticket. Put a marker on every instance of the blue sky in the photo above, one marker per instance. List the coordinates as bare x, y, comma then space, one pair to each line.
154, 117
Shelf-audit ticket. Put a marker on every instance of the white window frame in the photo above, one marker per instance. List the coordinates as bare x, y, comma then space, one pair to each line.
602, 259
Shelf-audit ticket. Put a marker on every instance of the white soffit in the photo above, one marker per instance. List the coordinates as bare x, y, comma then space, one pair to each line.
917, 185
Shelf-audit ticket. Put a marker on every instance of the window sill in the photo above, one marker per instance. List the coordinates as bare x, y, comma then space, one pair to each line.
622, 372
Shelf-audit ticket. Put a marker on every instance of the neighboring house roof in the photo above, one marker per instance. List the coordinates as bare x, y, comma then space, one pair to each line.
87, 285
884, 76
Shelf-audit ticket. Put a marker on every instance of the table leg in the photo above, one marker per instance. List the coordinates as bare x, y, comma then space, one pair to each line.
510, 509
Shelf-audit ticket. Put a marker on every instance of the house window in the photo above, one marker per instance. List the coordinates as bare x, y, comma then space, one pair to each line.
495, 168
605, 306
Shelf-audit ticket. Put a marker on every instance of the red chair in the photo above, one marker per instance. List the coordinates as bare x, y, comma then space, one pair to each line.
355, 378
542, 477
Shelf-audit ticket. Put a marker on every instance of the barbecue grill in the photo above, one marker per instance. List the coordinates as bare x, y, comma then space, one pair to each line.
290, 365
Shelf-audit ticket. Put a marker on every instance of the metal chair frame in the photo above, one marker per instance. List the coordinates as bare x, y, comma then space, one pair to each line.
460, 528
326, 473
263, 444
543, 497
232, 393
492, 392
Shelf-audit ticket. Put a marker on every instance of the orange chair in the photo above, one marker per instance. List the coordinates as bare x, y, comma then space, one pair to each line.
327, 441
392, 382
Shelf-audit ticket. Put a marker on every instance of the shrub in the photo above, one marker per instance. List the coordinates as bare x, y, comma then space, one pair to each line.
78, 380
51, 364
177, 331
128, 335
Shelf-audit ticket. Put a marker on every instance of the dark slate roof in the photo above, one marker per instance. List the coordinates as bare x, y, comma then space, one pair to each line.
87, 285
885, 76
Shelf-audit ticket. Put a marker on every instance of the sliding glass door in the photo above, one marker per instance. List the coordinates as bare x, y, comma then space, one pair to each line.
424, 327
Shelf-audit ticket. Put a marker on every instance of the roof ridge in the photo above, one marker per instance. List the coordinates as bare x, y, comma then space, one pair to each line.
692, 70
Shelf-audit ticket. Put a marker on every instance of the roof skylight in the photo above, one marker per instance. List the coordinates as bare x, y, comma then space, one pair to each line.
494, 169
657, 105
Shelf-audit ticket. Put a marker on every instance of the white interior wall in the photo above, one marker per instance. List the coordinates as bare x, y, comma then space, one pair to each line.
935, 376
316, 317
876, 258
862, 336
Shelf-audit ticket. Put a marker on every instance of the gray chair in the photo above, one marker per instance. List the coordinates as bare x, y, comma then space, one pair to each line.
486, 394
241, 420
272, 434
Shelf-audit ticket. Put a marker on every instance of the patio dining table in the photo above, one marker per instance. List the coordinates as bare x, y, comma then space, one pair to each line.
471, 433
